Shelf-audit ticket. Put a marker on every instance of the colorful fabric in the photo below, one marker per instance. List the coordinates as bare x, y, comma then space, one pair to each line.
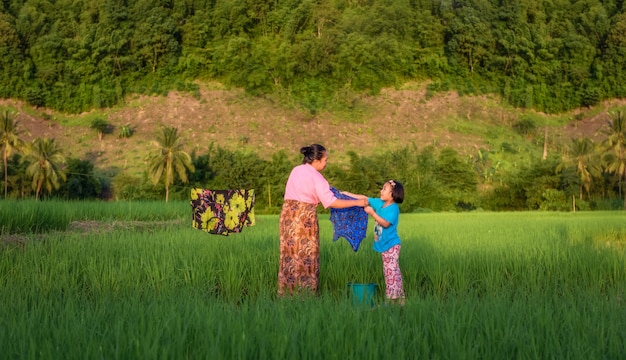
385, 238
308, 185
349, 223
393, 277
222, 212
299, 264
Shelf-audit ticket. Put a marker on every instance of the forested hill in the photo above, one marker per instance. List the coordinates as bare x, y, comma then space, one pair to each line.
551, 55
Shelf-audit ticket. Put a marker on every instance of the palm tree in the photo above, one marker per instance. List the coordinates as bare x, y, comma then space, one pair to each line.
615, 156
581, 153
44, 160
9, 138
169, 159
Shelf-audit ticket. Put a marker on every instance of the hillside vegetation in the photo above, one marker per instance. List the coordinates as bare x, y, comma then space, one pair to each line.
494, 105
73, 56
236, 121
493, 139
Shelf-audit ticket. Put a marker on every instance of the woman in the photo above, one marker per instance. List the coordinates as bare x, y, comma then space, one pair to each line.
299, 227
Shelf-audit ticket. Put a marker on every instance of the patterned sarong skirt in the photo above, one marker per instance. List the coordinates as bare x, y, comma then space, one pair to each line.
299, 265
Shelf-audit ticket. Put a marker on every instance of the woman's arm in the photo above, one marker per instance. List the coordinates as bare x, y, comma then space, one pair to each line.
356, 196
341, 203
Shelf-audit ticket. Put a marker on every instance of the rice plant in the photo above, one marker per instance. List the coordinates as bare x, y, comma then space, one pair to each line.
479, 285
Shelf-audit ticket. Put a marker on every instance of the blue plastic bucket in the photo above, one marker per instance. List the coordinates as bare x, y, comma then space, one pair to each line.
362, 294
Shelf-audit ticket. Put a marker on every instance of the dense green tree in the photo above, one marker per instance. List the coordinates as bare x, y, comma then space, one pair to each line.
613, 64
230, 18
429, 35
127, 186
470, 38
236, 169
402, 165
275, 175
19, 184
11, 56
81, 182
592, 20
429, 191
364, 175
76, 55
220, 168
155, 39
454, 172
109, 40
203, 173
457, 177
196, 37
169, 159
515, 49
268, 66
524, 188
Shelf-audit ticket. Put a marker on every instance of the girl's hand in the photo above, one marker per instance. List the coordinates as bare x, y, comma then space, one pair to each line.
369, 210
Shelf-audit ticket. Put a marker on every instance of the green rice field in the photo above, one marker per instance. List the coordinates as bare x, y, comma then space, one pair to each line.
122, 280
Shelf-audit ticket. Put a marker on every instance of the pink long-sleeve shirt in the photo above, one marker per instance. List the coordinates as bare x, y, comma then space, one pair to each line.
307, 185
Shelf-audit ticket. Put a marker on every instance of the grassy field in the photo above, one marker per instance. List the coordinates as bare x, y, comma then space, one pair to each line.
134, 280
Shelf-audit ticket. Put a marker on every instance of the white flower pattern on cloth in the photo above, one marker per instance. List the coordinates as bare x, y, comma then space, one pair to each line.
378, 231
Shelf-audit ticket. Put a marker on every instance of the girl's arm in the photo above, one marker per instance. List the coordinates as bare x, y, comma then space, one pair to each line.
380, 220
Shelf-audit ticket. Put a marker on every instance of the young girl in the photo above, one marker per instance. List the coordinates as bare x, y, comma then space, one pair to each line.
386, 213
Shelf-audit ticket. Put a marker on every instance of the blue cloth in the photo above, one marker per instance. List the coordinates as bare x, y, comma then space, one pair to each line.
385, 238
350, 223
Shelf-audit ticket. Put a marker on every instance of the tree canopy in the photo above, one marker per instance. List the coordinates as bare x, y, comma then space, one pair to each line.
77, 55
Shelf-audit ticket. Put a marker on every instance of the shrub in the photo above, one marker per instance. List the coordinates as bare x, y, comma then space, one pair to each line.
101, 126
525, 126
35, 97
126, 131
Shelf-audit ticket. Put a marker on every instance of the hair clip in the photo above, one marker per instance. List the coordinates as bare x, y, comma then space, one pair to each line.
392, 183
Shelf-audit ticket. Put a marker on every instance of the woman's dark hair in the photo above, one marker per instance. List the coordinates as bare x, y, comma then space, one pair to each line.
312, 152
397, 191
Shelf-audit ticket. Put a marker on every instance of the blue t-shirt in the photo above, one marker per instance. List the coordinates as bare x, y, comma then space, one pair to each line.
385, 238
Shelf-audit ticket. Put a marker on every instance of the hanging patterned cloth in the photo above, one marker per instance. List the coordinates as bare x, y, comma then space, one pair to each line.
351, 223
222, 212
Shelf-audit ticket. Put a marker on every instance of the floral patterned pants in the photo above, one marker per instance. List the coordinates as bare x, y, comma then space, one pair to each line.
393, 276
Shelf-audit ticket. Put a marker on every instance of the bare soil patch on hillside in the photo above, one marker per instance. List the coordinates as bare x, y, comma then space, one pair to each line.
233, 120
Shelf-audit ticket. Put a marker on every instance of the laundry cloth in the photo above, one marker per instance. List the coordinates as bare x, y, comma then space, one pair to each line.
222, 212
349, 223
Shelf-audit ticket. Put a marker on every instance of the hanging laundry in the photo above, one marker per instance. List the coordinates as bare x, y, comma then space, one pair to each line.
351, 223
222, 212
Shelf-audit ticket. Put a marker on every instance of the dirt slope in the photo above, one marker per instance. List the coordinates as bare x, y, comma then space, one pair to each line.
231, 119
